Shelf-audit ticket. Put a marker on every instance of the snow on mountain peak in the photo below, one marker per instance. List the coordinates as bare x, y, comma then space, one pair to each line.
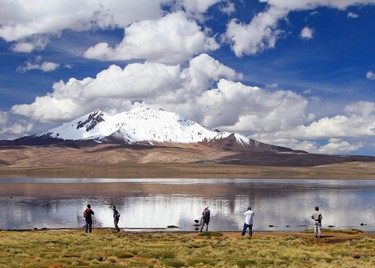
141, 124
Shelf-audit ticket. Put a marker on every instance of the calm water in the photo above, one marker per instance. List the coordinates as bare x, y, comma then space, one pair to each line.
157, 203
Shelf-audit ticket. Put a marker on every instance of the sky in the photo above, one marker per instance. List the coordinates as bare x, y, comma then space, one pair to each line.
299, 74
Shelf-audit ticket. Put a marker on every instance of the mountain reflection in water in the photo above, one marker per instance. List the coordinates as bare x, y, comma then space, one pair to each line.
157, 203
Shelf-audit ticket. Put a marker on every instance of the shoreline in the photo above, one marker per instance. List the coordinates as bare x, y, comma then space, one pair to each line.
307, 233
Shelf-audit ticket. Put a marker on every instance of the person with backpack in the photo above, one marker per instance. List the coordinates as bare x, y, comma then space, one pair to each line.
317, 217
249, 219
116, 218
87, 215
205, 218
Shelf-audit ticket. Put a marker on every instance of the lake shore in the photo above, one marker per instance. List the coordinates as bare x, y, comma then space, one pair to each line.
353, 170
107, 248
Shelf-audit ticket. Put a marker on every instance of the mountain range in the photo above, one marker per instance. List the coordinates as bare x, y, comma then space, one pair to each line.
144, 135
143, 126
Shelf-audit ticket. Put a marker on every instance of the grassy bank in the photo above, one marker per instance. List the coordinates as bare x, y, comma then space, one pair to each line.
105, 248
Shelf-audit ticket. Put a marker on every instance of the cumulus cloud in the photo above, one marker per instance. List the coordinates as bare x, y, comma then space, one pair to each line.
357, 120
335, 146
118, 88
38, 64
307, 33
238, 107
370, 75
53, 16
171, 39
263, 30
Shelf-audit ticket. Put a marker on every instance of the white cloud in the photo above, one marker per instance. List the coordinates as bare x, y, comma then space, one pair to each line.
30, 44
370, 75
12, 128
263, 32
307, 33
197, 6
358, 122
171, 39
117, 88
22, 19
37, 64
260, 34
237, 107
335, 146
353, 15
229, 8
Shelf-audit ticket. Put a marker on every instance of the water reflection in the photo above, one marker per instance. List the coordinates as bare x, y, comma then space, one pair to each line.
148, 203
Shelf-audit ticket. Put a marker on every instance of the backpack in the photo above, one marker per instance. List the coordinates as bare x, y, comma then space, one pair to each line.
85, 213
206, 215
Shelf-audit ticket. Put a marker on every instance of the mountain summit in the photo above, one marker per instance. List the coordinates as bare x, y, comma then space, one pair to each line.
140, 125
145, 126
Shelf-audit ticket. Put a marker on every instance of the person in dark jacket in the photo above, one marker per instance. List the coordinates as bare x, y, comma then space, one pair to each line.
87, 215
205, 218
116, 218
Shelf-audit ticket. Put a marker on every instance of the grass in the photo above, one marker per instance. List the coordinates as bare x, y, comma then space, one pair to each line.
105, 248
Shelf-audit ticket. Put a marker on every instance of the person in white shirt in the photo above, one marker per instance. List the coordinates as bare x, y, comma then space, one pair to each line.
317, 217
249, 217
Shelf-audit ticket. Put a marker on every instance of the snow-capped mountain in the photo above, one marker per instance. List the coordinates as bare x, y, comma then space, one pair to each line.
135, 126
147, 126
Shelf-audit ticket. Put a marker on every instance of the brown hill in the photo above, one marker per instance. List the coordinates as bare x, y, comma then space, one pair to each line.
175, 160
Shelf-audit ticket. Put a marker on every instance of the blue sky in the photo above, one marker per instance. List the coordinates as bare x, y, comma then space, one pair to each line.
299, 74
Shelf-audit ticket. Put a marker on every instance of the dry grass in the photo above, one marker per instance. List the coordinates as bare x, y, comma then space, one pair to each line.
105, 248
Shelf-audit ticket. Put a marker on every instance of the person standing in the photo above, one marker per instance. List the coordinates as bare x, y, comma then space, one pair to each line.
249, 218
87, 215
317, 217
116, 218
205, 218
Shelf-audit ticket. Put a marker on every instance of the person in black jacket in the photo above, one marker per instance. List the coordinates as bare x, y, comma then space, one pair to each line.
87, 215
116, 218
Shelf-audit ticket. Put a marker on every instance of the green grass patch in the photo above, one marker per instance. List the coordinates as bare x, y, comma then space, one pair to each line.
210, 234
104, 248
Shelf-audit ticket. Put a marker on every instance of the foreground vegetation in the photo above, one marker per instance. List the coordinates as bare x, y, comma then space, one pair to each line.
105, 248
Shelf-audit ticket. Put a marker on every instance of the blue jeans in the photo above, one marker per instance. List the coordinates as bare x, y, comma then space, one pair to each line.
245, 226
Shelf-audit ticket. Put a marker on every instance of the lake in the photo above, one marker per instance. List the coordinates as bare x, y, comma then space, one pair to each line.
149, 204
